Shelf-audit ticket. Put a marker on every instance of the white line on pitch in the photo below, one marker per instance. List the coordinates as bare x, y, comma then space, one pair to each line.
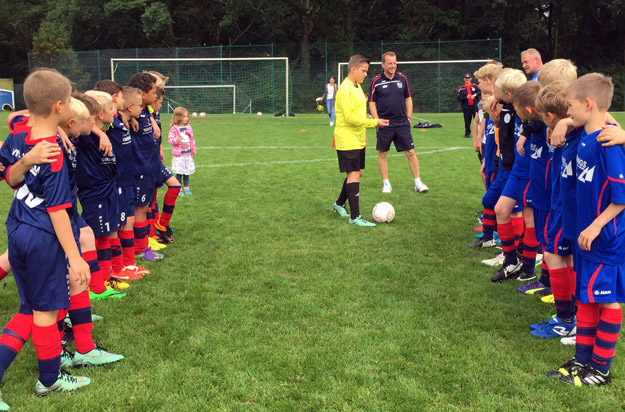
279, 162
283, 147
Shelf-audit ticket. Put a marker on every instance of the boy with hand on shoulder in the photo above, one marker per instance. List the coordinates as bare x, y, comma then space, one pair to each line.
350, 137
600, 265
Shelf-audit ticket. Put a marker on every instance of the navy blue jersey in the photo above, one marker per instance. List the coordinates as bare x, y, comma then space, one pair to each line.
568, 185
16, 122
390, 97
600, 182
94, 171
70, 159
143, 144
521, 166
120, 138
540, 159
490, 146
157, 143
507, 140
45, 188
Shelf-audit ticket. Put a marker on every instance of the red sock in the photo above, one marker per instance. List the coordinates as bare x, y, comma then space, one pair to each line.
518, 225
80, 315
96, 284
117, 259
573, 277
127, 241
103, 247
587, 321
48, 348
4, 272
17, 332
607, 335
530, 249
507, 241
169, 203
141, 236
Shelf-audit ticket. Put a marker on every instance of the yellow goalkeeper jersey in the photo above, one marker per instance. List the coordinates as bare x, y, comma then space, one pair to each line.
350, 109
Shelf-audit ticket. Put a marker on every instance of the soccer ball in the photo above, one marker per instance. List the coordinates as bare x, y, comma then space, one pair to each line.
194, 114
383, 212
259, 114
202, 114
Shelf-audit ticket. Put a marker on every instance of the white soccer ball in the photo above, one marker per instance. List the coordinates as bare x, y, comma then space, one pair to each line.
259, 114
383, 212
194, 114
202, 114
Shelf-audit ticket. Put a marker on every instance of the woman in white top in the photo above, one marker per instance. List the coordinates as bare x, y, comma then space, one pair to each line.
330, 94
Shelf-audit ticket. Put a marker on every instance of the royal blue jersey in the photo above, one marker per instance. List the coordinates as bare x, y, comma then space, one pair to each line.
600, 182
540, 158
556, 164
94, 171
143, 144
390, 97
45, 187
521, 166
568, 185
490, 146
507, 136
120, 138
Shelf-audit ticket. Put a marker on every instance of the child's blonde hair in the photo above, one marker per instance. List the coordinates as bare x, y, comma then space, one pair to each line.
552, 99
179, 114
526, 94
79, 110
488, 71
558, 69
104, 99
593, 86
43, 88
486, 102
509, 80
161, 79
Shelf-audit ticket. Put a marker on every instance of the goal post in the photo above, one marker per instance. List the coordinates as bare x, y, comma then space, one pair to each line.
433, 83
236, 83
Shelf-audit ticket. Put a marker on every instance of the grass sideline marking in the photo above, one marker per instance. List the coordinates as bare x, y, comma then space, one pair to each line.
283, 147
279, 162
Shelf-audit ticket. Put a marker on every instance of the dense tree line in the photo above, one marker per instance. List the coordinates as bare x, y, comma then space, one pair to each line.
589, 32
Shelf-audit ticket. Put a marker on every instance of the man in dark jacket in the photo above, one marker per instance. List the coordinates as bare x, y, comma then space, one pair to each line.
469, 96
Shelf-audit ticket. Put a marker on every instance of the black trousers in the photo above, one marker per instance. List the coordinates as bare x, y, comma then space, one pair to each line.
469, 114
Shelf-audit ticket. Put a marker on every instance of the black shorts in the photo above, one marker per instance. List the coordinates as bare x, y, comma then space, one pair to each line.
351, 160
401, 136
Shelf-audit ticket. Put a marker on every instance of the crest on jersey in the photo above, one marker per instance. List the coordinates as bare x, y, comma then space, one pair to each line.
400, 85
506, 118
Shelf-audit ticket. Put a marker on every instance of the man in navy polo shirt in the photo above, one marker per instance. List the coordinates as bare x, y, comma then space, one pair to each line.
390, 99
469, 96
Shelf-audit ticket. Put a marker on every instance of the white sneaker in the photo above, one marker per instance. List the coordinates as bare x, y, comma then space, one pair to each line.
420, 187
496, 261
568, 340
331, 123
387, 189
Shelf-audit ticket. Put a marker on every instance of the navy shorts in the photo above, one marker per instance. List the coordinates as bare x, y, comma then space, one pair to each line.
400, 136
556, 243
351, 160
598, 282
143, 190
162, 175
540, 223
126, 203
517, 188
102, 216
40, 269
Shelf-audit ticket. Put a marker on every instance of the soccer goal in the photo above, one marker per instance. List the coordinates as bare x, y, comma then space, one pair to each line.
216, 85
433, 84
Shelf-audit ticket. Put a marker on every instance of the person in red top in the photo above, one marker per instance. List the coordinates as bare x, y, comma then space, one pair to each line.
469, 96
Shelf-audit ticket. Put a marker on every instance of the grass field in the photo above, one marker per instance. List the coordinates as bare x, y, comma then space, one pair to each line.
268, 301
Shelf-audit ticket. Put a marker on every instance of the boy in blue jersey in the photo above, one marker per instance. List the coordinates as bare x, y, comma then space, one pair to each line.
39, 225
143, 149
600, 263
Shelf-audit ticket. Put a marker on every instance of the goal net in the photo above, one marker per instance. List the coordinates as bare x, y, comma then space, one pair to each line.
433, 84
216, 85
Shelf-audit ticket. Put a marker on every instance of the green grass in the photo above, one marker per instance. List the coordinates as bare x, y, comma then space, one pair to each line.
268, 301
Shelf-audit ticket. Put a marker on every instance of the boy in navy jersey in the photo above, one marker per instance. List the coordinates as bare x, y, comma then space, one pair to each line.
39, 225
143, 149
600, 264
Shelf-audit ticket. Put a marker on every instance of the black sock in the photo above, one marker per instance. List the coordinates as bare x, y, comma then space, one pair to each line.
353, 190
343, 196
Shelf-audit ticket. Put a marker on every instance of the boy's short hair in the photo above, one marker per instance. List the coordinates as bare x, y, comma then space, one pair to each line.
486, 102
43, 88
388, 53
557, 69
108, 86
103, 99
532, 52
526, 94
142, 81
552, 99
79, 110
89, 102
509, 80
356, 61
488, 71
160, 92
161, 79
131, 93
594, 86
